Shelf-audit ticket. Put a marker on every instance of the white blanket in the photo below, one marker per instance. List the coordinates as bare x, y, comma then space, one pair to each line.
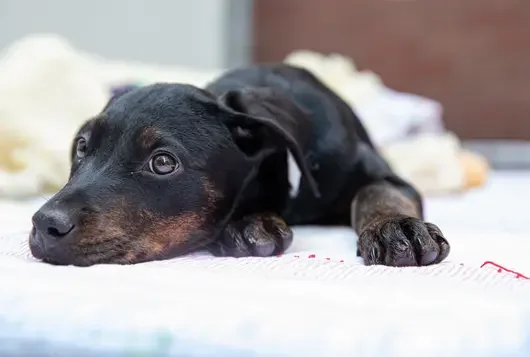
317, 300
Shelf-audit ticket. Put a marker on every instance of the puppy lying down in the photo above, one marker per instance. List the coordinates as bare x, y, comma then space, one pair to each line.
167, 169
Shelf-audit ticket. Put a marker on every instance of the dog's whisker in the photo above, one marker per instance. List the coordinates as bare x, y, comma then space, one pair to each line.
44, 198
15, 234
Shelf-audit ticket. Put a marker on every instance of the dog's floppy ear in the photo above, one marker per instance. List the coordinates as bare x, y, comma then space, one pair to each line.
265, 121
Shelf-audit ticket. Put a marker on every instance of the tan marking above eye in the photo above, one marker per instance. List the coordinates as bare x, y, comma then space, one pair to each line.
148, 137
171, 232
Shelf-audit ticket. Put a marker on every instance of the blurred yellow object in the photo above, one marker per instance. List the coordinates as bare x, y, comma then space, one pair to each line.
475, 168
8, 161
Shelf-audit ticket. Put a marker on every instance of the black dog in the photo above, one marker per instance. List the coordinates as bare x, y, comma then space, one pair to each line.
169, 168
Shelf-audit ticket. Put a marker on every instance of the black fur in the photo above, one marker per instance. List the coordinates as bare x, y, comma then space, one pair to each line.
231, 192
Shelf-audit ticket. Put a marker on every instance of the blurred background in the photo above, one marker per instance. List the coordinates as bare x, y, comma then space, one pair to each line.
443, 88
465, 65
198, 33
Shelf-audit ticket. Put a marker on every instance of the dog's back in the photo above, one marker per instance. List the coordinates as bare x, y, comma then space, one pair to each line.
331, 153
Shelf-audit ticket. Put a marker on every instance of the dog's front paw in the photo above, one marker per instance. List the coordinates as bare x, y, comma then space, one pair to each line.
402, 241
260, 235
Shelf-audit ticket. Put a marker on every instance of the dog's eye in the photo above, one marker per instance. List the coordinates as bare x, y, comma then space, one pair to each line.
80, 148
163, 164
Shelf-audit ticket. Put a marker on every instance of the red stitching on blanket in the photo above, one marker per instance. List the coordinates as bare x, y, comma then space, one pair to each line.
500, 269
312, 256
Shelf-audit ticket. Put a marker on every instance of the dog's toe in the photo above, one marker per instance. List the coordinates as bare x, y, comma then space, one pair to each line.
264, 247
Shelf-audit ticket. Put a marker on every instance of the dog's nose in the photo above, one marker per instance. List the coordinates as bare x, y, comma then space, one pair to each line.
52, 223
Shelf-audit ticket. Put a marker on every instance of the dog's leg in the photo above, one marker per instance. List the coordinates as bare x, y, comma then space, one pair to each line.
260, 235
387, 214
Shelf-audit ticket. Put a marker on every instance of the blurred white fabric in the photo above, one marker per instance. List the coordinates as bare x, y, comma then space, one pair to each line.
388, 115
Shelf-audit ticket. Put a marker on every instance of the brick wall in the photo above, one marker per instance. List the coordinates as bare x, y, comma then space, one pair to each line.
472, 55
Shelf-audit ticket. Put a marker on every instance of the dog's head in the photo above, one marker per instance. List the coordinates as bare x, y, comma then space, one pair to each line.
159, 171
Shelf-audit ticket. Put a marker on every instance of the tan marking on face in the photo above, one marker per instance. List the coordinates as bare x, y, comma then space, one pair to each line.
165, 234
129, 258
148, 137
100, 228
143, 236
